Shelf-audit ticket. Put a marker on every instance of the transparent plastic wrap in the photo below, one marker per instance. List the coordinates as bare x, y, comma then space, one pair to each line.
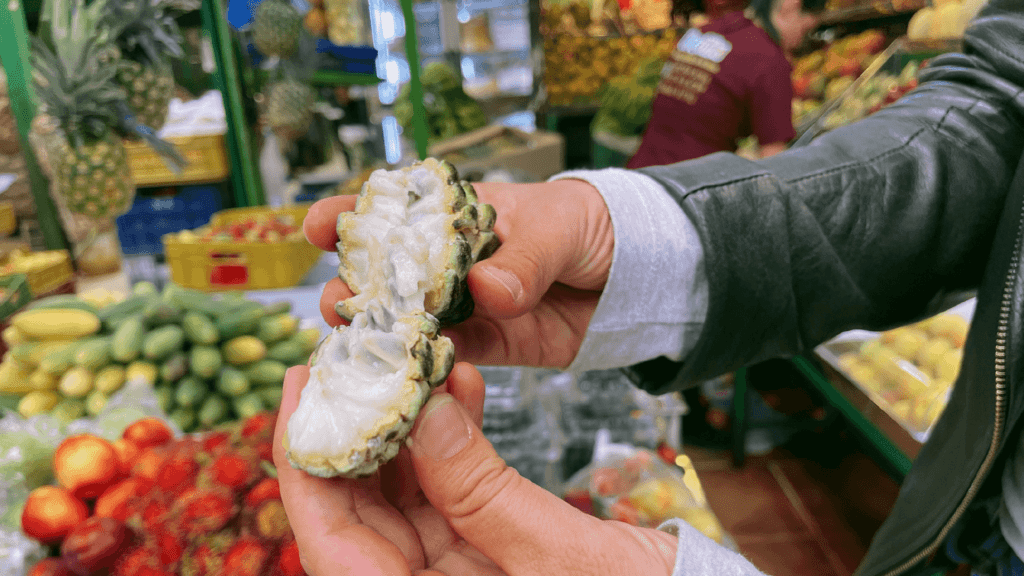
633, 485
907, 371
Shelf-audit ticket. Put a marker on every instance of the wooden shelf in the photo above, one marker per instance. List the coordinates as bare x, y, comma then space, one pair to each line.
872, 10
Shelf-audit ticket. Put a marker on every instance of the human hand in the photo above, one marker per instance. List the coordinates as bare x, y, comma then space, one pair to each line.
535, 296
449, 505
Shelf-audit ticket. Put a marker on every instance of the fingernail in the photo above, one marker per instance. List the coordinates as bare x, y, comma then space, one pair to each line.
507, 279
442, 432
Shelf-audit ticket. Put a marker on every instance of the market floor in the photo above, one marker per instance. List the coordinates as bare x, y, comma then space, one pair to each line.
808, 508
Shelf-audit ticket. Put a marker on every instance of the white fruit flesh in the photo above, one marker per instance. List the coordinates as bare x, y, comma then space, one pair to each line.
399, 246
360, 377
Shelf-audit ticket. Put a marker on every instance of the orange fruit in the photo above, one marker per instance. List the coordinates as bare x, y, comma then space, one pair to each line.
113, 503
126, 454
148, 463
86, 465
50, 513
50, 567
148, 432
316, 22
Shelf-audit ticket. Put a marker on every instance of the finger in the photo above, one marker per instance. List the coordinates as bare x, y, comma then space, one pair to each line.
320, 225
334, 291
322, 515
466, 384
522, 527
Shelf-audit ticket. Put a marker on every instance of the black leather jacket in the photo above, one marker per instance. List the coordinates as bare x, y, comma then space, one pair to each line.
870, 226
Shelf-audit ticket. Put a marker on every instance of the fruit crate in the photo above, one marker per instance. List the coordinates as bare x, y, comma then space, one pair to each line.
230, 266
140, 229
909, 371
46, 271
206, 156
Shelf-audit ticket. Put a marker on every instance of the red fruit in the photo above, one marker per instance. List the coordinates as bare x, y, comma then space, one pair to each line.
203, 560
148, 463
217, 442
155, 513
288, 561
169, 548
266, 489
95, 545
147, 433
205, 511
147, 571
113, 503
50, 567
259, 426
234, 471
127, 453
177, 473
246, 557
86, 465
50, 513
136, 561
272, 520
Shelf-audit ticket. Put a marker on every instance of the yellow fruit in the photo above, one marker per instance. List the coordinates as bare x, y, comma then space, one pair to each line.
110, 379
849, 361
12, 336
946, 22
949, 366
37, 402
901, 410
14, 377
145, 371
56, 323
910, 385
970, 8
920, 24
43, 380
76, 383
930, 354
908, 341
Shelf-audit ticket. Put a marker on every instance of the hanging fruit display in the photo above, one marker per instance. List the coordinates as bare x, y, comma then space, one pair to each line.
345, 22
289, 108
449, 110
276, 28
148, 38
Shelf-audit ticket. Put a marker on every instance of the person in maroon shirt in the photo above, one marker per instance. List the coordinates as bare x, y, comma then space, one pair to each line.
727, 80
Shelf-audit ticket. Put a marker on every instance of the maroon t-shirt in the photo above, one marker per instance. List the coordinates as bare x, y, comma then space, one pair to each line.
726, 80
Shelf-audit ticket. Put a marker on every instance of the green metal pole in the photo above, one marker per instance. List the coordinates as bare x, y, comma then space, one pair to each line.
245, 176
412, 54
894, 457
14, 52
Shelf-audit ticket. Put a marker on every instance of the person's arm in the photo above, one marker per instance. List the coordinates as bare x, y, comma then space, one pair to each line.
769, 150
864, 226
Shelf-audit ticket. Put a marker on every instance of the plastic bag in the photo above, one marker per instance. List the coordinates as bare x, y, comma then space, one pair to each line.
635, 486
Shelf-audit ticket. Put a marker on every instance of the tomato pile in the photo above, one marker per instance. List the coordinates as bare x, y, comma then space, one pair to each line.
148, 504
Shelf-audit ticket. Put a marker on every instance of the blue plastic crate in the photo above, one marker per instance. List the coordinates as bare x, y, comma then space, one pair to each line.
354, 59
141, 228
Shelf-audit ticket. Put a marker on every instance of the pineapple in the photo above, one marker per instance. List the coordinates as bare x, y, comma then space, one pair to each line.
276, 28
289, 111
145, 35
75, 81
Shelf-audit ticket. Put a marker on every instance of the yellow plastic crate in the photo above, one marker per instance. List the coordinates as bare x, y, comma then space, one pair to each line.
206, 156
228, 266
46, 271
8, 221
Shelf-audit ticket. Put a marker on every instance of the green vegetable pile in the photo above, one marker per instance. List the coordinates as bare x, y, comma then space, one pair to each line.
626, 101
449, 110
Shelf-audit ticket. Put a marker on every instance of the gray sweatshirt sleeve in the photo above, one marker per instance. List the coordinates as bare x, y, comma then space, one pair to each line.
698, 555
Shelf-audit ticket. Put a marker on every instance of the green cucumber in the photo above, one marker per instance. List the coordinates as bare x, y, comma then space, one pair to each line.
93, 353
232, 382
205, 361
63, 301
196, 301
271, 397
288, 352
239, 323
190, 392
126, 343
266, 373
184, 418
215, 409
164, 397
248, 405
162, 342
199, 329
161, 313
130, 306
174, 368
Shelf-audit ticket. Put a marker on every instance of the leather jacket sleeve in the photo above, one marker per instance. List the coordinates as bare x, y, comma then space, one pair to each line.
866, 225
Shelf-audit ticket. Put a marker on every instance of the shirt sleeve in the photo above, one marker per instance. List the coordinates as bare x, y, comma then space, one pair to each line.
771, 103
698, 555
656, 296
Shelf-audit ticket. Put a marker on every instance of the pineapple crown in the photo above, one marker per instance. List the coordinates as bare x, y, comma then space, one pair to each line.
144, 31
74, 70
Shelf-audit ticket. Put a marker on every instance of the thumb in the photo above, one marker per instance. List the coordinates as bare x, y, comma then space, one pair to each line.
513, 280
517, 524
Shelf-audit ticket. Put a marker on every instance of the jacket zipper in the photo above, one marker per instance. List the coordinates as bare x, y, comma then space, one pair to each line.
1000, 416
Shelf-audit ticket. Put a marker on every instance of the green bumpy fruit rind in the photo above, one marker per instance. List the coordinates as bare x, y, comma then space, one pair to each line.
470, 238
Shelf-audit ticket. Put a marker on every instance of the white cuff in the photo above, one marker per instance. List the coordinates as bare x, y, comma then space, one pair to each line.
655, 301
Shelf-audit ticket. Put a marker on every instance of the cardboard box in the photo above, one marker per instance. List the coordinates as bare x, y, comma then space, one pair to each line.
539, 154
